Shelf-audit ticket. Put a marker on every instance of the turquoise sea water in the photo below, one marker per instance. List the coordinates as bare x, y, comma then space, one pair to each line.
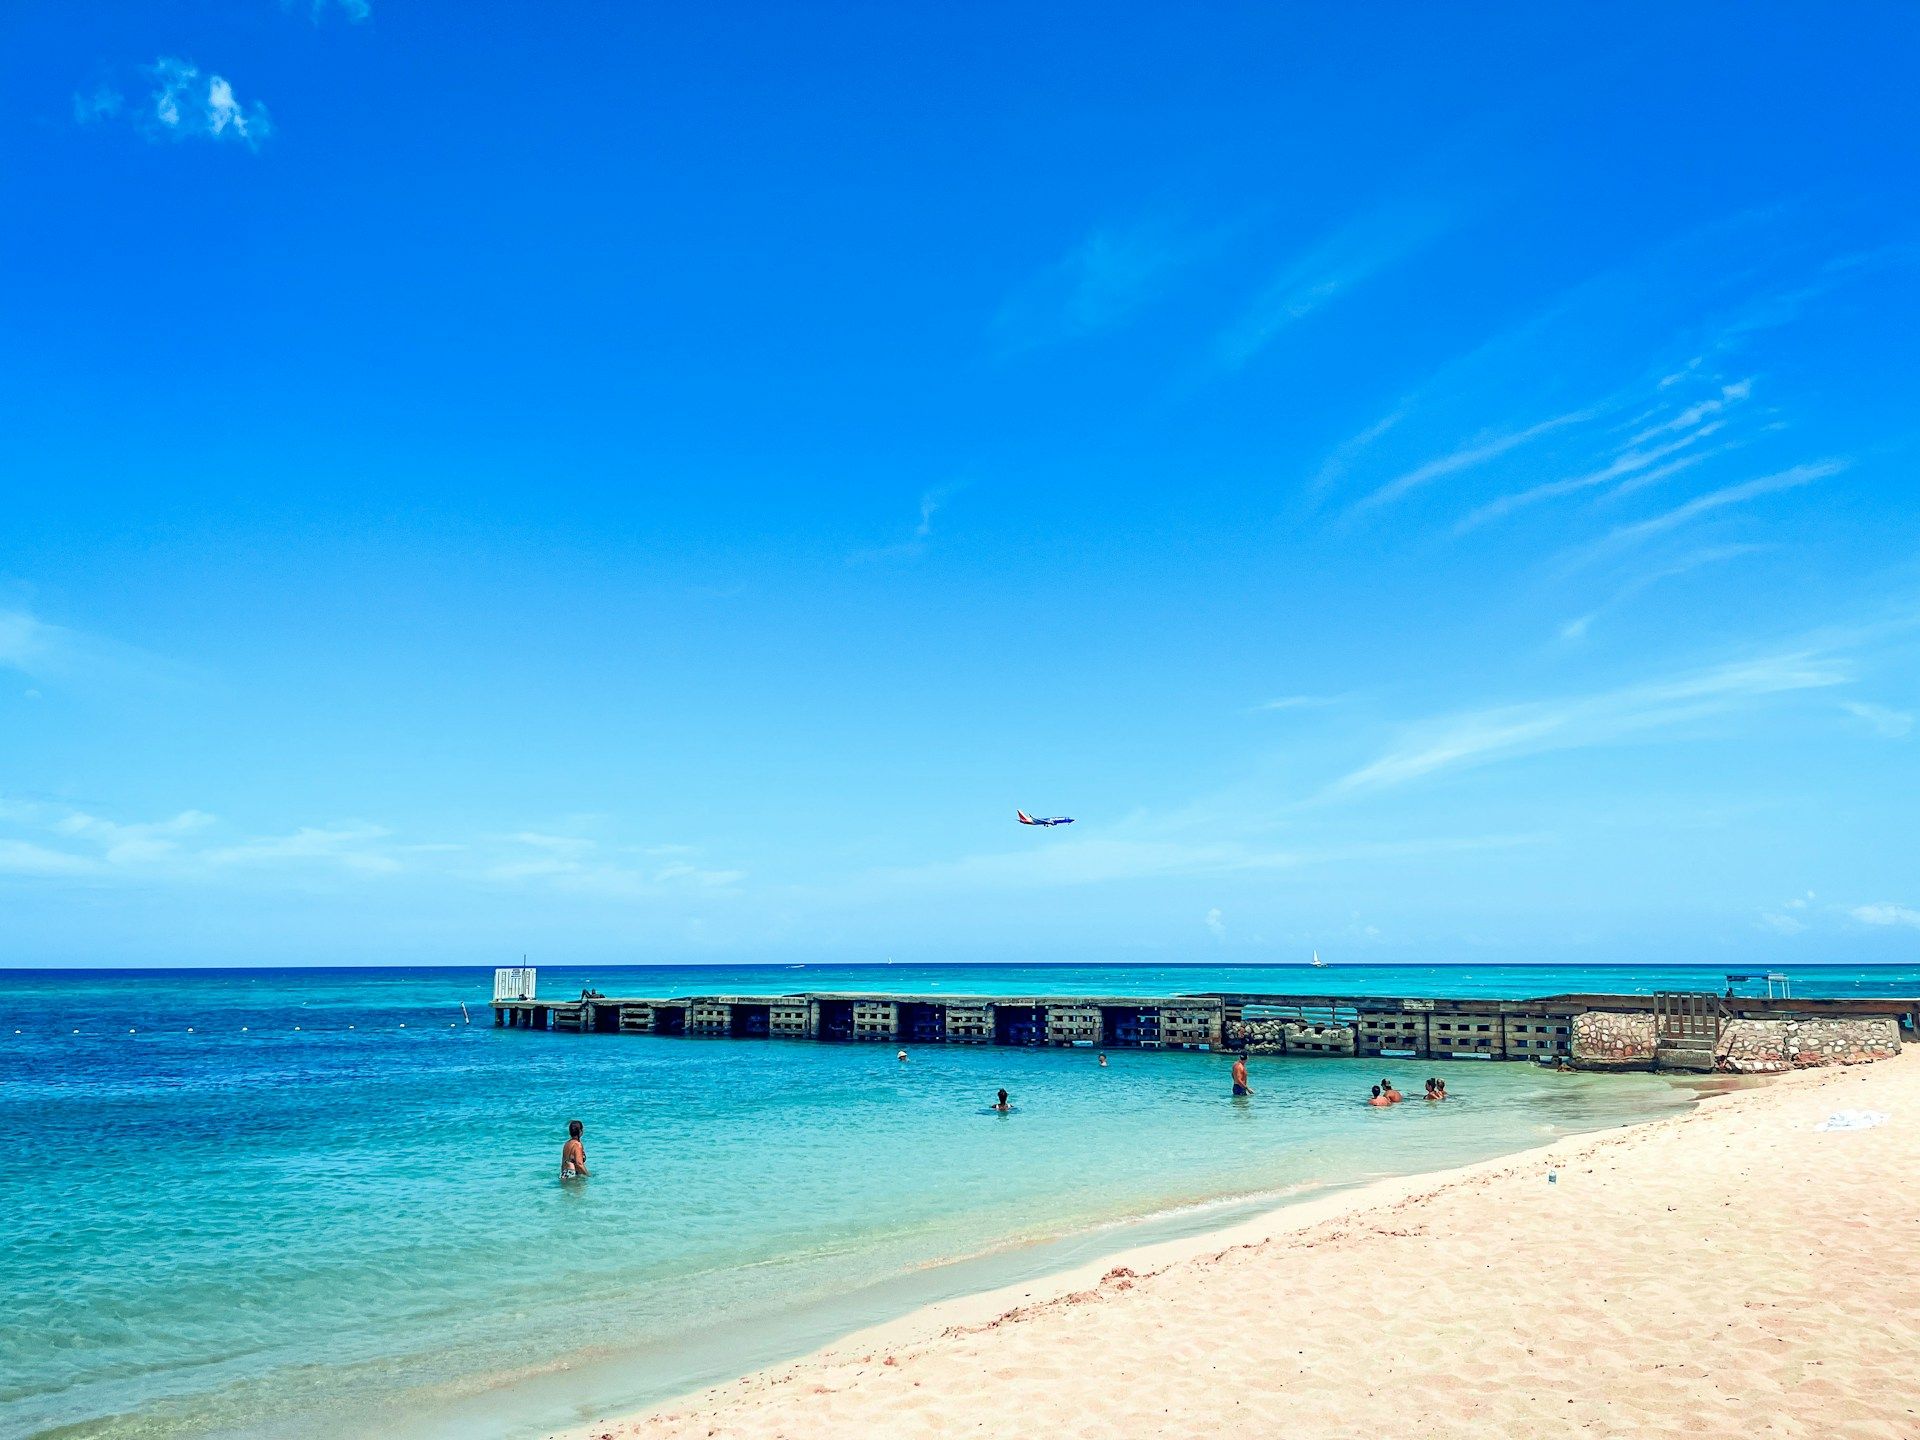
219, 1223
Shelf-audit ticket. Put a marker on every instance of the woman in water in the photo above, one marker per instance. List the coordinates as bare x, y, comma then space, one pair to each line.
1001, 1104
573, 1155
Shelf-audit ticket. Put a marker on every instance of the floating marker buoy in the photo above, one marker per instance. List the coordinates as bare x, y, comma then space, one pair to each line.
189, 1029
350, 1027
296, 1027
132, 1031
76, 1032
403, 1024
243, 1029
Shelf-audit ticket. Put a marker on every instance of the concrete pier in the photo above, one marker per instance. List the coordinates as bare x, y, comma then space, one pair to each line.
1691, 1030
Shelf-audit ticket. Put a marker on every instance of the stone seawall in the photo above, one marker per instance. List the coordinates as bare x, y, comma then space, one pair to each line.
1754, 1047
1610, 1040
1604, 1040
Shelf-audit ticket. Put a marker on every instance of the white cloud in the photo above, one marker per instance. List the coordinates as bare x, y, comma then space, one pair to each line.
184, 103
1885, 914
1480, 737
915, 545
1216, 923
1718, 499
1342, 260
1299, 702
583, 865
1781, 924
354, 847
1477, 453
1576, 629
1698, 411
22, 857
133, 844
1883, 720
188, 847
1100, 284
28, 644
47, 652
1625, 464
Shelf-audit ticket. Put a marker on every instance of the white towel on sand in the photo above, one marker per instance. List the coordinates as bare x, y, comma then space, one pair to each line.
1852, 1120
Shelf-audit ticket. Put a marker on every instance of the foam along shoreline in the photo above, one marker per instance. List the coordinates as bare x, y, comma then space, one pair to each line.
1727, 1271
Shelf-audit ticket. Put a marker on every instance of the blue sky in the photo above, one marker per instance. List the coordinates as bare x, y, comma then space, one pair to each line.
665, 483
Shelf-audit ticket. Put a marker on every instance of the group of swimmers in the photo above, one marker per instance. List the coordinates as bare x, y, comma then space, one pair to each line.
1385, 1094
573, 1155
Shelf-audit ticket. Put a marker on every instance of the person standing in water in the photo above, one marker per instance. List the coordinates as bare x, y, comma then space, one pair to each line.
1240, 1086
573, 1155
1103, 1059
1001, 1104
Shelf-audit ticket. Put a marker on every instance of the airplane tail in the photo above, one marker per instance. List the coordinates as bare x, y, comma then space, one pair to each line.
1025, 819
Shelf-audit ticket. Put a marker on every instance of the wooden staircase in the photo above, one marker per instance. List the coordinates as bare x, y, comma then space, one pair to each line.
1686, 1029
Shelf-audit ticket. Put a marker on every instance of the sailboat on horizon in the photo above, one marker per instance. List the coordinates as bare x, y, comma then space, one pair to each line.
1317, 962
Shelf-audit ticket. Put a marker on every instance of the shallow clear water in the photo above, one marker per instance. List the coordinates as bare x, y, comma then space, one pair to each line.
356, 1226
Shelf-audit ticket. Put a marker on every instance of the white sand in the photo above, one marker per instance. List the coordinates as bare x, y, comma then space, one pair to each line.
1728, 1272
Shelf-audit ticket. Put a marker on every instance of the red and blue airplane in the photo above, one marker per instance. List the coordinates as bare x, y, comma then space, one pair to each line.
1026, 819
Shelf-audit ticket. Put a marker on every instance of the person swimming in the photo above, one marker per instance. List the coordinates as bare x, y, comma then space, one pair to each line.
1103, 1059
1240, 1086
573, 1155
901, 1056
1433, 1088
1439, 1089
1001, 1104
1394, 1097
1378, 1098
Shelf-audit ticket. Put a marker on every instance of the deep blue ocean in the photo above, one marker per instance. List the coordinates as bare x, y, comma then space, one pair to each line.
319, 1202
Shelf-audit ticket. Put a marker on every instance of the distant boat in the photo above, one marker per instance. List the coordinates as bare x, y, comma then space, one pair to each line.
1317, 962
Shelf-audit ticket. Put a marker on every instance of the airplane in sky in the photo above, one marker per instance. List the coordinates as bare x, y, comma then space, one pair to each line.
1026, 819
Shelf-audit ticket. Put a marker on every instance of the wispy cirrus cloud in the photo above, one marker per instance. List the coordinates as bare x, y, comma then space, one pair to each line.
1628, 463
1474, 738
587, 865
1790, 479
1476, 452
51, 653
49, 841
1883, 720
915, 545
354, 11
1106, 280
1299, 702
1577, 628
1695, 414
1885, 914
1339, 262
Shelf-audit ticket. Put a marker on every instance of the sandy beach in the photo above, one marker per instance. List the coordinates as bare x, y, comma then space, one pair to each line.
1733, 1271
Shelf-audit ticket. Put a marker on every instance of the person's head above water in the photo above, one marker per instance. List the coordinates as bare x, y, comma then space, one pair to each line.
1003, 1097
574, 1129
1376, 1092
